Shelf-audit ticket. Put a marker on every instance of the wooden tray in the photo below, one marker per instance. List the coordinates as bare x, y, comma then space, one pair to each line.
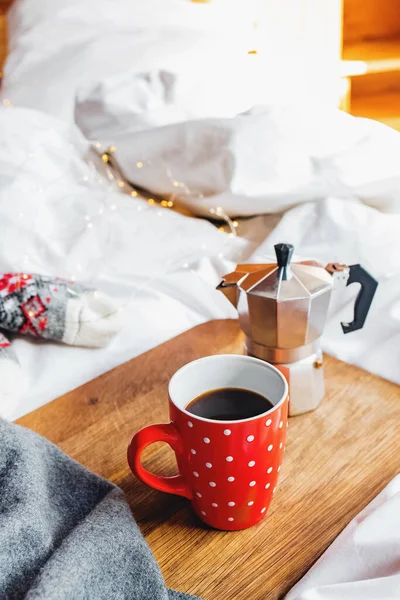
337, 459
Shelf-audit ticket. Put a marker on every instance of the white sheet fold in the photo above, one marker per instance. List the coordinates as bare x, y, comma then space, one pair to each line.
363, 563
88, 41
265, 160
59, 217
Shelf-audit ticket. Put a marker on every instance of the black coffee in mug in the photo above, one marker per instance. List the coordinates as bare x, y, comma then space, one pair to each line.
229, 404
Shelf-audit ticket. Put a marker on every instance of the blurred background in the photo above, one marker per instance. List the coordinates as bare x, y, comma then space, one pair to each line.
347, 51
351, 44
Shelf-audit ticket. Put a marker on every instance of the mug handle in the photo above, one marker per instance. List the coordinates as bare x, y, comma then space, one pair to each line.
143, 438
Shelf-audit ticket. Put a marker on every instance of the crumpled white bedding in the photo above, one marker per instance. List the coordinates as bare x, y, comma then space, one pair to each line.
56, 217
272, 158
363, 561
266, 159
88, 41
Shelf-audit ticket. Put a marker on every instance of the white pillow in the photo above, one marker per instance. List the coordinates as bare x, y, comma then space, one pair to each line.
57, 46
263, 161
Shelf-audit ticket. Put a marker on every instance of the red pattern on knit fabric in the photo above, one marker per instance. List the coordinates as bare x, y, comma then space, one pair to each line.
32, 310
21, 307
12, 282
4, 343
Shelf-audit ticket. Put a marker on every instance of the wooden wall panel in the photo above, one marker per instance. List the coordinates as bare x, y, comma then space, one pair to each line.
3, 40
370, 19
374, 84
4, 5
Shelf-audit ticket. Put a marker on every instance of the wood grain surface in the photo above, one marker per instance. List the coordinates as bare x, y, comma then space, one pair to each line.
337, 459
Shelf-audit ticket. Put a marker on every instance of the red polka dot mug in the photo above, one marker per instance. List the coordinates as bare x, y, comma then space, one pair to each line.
228, 469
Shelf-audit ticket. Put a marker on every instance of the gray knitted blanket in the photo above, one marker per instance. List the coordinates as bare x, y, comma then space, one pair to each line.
66, 534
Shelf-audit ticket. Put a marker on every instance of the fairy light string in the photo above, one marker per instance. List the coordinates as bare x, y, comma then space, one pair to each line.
215, 213
106, 182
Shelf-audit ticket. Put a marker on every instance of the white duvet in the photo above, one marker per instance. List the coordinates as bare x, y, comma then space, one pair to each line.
56, 217
156, 82
363, 561
60, 215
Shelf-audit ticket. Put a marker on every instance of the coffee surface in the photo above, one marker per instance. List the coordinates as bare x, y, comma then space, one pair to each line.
229, 404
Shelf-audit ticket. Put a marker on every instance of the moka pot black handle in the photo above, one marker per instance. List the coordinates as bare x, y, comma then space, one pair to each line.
364, 298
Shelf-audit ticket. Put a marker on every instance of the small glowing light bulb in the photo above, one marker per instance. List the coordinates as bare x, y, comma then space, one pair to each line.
139, 164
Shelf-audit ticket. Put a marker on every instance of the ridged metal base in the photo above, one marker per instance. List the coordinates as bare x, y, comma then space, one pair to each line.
304, 375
